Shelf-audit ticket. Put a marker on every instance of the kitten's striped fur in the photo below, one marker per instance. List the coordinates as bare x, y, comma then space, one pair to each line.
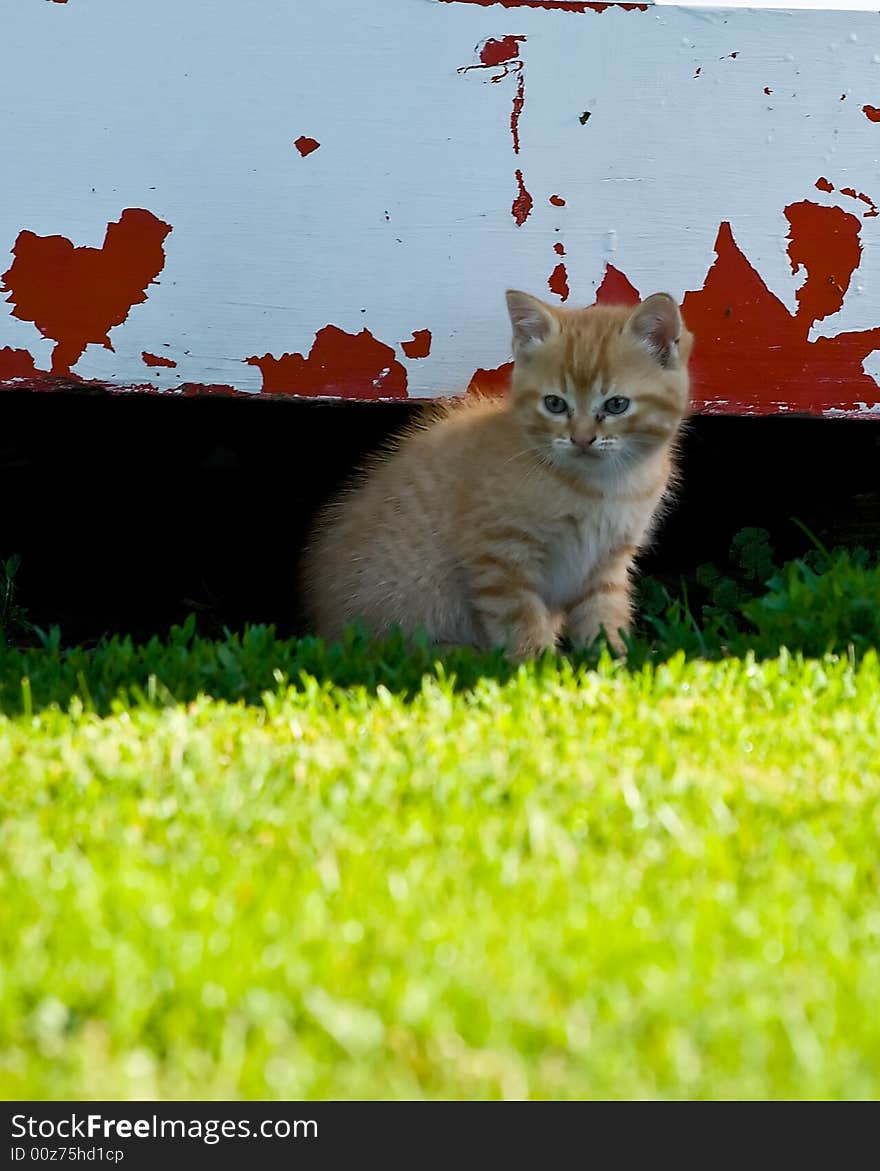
504, 523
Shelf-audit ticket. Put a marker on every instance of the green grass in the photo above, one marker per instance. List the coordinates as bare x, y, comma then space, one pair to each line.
255, 868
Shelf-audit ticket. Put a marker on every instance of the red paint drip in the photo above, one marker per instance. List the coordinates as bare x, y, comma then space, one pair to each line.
305, 146
491, 382
522, 206
154, 360
420, 346
823, 185
871, 113
339, 364
16, 364
616, 289
75, 296
558, 282
519, 99
559, 248
557, 201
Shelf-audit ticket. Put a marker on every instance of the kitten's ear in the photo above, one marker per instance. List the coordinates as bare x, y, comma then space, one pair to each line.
534, 323
656, 325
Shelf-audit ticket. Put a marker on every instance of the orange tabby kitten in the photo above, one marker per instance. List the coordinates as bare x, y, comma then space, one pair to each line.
511, 522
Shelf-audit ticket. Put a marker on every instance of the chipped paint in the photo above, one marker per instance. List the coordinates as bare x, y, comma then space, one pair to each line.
306, 145
16, 364
450, 139
557, 282
156, 360
420, 344
522, 204
75, 296
339, 364
491, 382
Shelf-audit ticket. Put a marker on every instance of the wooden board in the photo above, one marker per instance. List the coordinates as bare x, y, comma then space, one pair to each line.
330, 198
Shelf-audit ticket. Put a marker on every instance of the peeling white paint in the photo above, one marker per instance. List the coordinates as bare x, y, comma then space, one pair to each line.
401, 219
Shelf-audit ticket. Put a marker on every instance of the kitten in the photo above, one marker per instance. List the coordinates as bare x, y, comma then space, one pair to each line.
511, 522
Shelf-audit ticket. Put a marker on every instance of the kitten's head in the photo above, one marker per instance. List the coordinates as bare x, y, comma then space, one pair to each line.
600, 387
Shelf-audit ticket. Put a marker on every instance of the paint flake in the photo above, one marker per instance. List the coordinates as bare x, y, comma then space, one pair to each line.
156, 360
305, 145
419, 346
558, 282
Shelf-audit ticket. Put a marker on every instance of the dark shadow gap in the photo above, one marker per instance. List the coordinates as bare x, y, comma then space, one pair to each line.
129, 512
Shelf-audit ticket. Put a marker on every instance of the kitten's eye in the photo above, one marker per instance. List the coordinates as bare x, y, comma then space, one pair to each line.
555, 404
615, 405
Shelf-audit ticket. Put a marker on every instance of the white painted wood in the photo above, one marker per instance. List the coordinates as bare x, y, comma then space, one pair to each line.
401, 220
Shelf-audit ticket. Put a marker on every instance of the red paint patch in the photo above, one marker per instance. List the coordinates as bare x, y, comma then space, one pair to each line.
305, 146
767, 90
16, 364
497, 52
339, 364
491, 382
557, 201
420, 346
616, 289
871, 113
752, 353
823, 184
558, 282
522, 206
75, 296
154, 360
559, 248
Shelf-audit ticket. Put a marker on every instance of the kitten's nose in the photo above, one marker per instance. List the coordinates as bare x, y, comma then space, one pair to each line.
583, 440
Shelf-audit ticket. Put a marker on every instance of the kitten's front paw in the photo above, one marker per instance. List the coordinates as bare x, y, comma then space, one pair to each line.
532, 641
616, 639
